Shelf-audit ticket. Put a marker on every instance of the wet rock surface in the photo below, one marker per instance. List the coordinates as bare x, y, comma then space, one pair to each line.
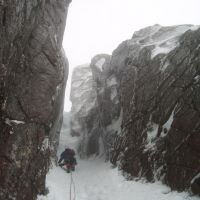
148, 96
33, 74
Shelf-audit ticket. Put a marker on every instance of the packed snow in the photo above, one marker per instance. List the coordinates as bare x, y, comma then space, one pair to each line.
95, 179
197, 78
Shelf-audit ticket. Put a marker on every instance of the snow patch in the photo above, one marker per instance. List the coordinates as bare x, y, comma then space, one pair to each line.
151, 135
9, 122
164, 48
113, 93
17, 122
197, 78
198, 46
116, 124
162, 39
170, 41
101, 91
164, 67
45, 144
55, 37
100, 63
157, 174
111, 81
168, 124
195, 178
194, 28
11, 132
90, 105
58, 88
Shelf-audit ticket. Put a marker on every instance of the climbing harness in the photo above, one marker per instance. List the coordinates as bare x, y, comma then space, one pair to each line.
72, 184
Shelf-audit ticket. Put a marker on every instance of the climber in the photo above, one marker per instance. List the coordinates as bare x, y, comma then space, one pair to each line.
68, 156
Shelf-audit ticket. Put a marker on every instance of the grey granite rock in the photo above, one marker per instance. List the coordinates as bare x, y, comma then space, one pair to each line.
95, 107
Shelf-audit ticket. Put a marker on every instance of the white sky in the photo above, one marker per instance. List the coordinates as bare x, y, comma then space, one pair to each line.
99, 26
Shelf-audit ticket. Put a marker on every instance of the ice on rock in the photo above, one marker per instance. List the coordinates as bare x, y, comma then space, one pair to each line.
167, 42
10, 122
100, 63
151, 135
45, 144
111, 82
116, 124
113, 93
160, 40
168, 124
165, 65
195, 178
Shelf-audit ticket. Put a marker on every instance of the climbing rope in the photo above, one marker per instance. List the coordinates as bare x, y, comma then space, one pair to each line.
72, 184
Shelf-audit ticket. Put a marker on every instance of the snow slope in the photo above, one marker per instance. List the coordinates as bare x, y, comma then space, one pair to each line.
96, 180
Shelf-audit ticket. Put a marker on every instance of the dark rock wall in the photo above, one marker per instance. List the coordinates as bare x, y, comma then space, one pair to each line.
33, 74
147, 108
160, 99
107, 103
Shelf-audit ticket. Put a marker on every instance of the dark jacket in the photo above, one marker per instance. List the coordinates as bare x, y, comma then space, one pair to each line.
68, 156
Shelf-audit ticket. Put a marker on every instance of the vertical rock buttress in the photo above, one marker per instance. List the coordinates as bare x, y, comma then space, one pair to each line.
142, 106
33, 75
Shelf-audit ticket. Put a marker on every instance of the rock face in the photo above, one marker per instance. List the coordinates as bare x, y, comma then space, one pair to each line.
154, 105
33, 74
83, 96
95, 111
